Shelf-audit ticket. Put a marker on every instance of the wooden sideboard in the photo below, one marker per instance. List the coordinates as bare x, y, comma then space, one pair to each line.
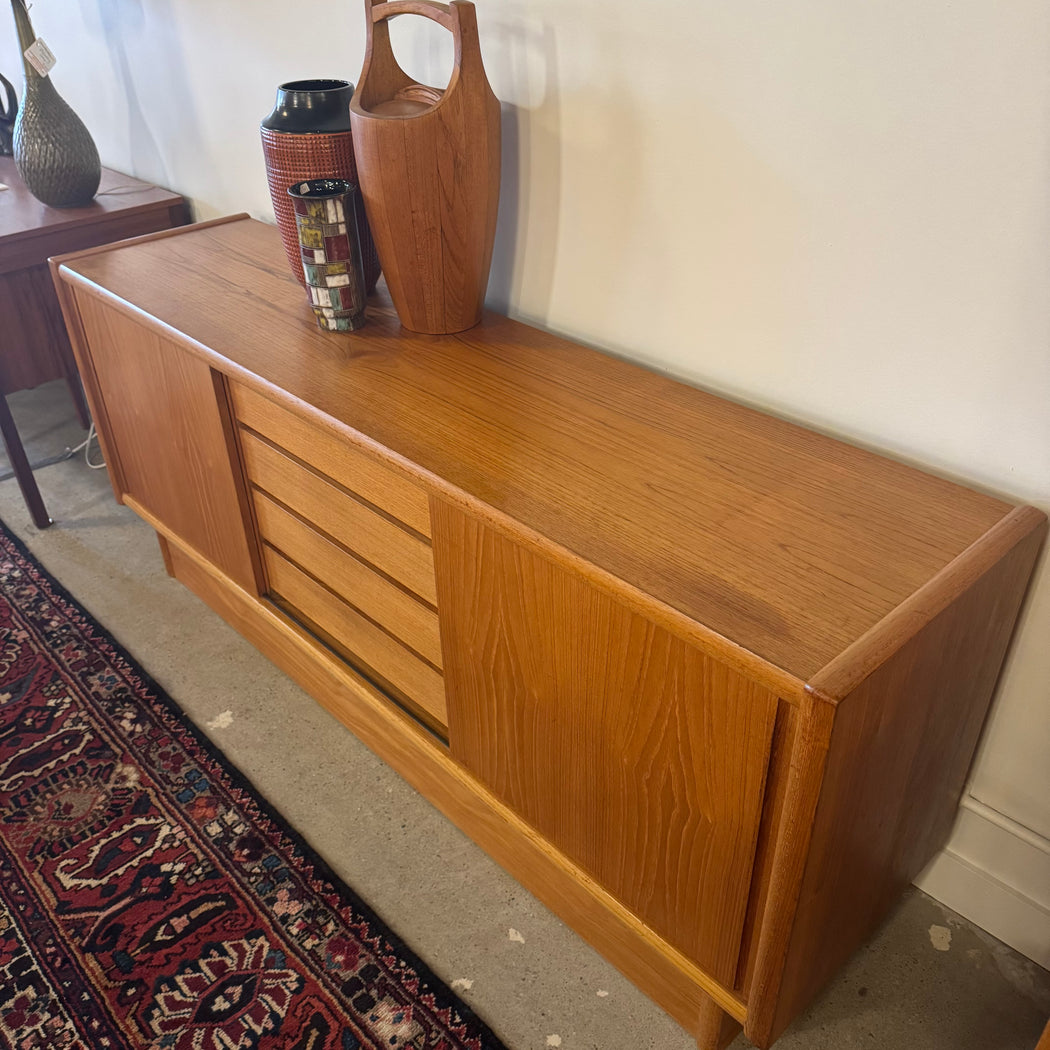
706, 682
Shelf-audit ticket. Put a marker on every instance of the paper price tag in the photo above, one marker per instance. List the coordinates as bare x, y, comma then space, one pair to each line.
40, 57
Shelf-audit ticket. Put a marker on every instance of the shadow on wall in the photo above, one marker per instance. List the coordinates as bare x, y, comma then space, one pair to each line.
635, 213
530, 181
123, 25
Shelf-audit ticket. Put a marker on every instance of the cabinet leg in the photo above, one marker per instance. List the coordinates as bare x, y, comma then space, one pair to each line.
165, 553
716, 1029
20, 465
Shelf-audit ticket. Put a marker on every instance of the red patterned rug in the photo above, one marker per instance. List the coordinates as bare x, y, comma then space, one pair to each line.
148, 896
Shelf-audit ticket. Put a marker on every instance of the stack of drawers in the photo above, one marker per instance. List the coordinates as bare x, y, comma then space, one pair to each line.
346, 550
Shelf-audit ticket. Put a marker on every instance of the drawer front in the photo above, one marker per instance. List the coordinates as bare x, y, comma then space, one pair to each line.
364, 644
331, 455
399, 554
400, 613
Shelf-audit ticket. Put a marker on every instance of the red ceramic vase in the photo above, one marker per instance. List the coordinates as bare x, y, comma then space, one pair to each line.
307, 136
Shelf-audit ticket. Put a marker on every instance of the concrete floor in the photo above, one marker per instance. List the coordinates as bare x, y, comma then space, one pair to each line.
455, 907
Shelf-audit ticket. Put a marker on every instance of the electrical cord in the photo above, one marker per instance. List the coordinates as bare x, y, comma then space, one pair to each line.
86, 446
69, 453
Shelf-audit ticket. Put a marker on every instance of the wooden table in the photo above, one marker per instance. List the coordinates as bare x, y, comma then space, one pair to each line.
34, 347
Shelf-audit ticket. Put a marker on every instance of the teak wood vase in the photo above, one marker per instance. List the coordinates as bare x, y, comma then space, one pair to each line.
428, 161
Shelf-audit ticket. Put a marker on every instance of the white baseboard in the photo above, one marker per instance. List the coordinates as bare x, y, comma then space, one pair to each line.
996, 873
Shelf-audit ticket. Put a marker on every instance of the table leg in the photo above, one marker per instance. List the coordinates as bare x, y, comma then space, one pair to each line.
76, 389
20, 465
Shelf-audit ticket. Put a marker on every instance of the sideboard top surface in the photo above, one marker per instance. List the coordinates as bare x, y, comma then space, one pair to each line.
787, 542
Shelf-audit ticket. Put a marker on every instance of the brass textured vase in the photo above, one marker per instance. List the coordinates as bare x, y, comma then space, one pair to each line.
54, 151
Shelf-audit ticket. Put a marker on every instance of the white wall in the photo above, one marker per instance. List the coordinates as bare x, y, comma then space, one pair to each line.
835, 210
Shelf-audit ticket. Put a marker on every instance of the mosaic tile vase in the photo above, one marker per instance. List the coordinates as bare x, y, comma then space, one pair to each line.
330, 251
54, 152
307, 136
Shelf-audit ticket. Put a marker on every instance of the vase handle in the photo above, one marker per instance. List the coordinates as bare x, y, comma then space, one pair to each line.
458, 17
8, 105
431, 9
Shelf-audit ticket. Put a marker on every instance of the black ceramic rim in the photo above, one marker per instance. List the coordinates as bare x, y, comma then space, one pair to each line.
314, 85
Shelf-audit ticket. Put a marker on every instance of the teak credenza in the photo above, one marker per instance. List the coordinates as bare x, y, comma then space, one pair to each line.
706, 682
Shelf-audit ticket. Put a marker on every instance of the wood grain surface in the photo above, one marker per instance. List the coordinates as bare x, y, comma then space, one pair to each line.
428, 161
782, 877
378, 540
34, 341
394, 608
712, 681
646, 959
161, 410
638, 757
899, 754
31, 232
840, 677
34, 347
361, 472
67, 300
773, 830
716, 1029
361, 641
788, 543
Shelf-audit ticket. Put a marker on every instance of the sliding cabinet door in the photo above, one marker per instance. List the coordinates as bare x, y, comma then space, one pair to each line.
162, 415
640, 758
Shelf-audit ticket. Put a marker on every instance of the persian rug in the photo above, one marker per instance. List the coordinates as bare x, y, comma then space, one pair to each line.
148, 896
